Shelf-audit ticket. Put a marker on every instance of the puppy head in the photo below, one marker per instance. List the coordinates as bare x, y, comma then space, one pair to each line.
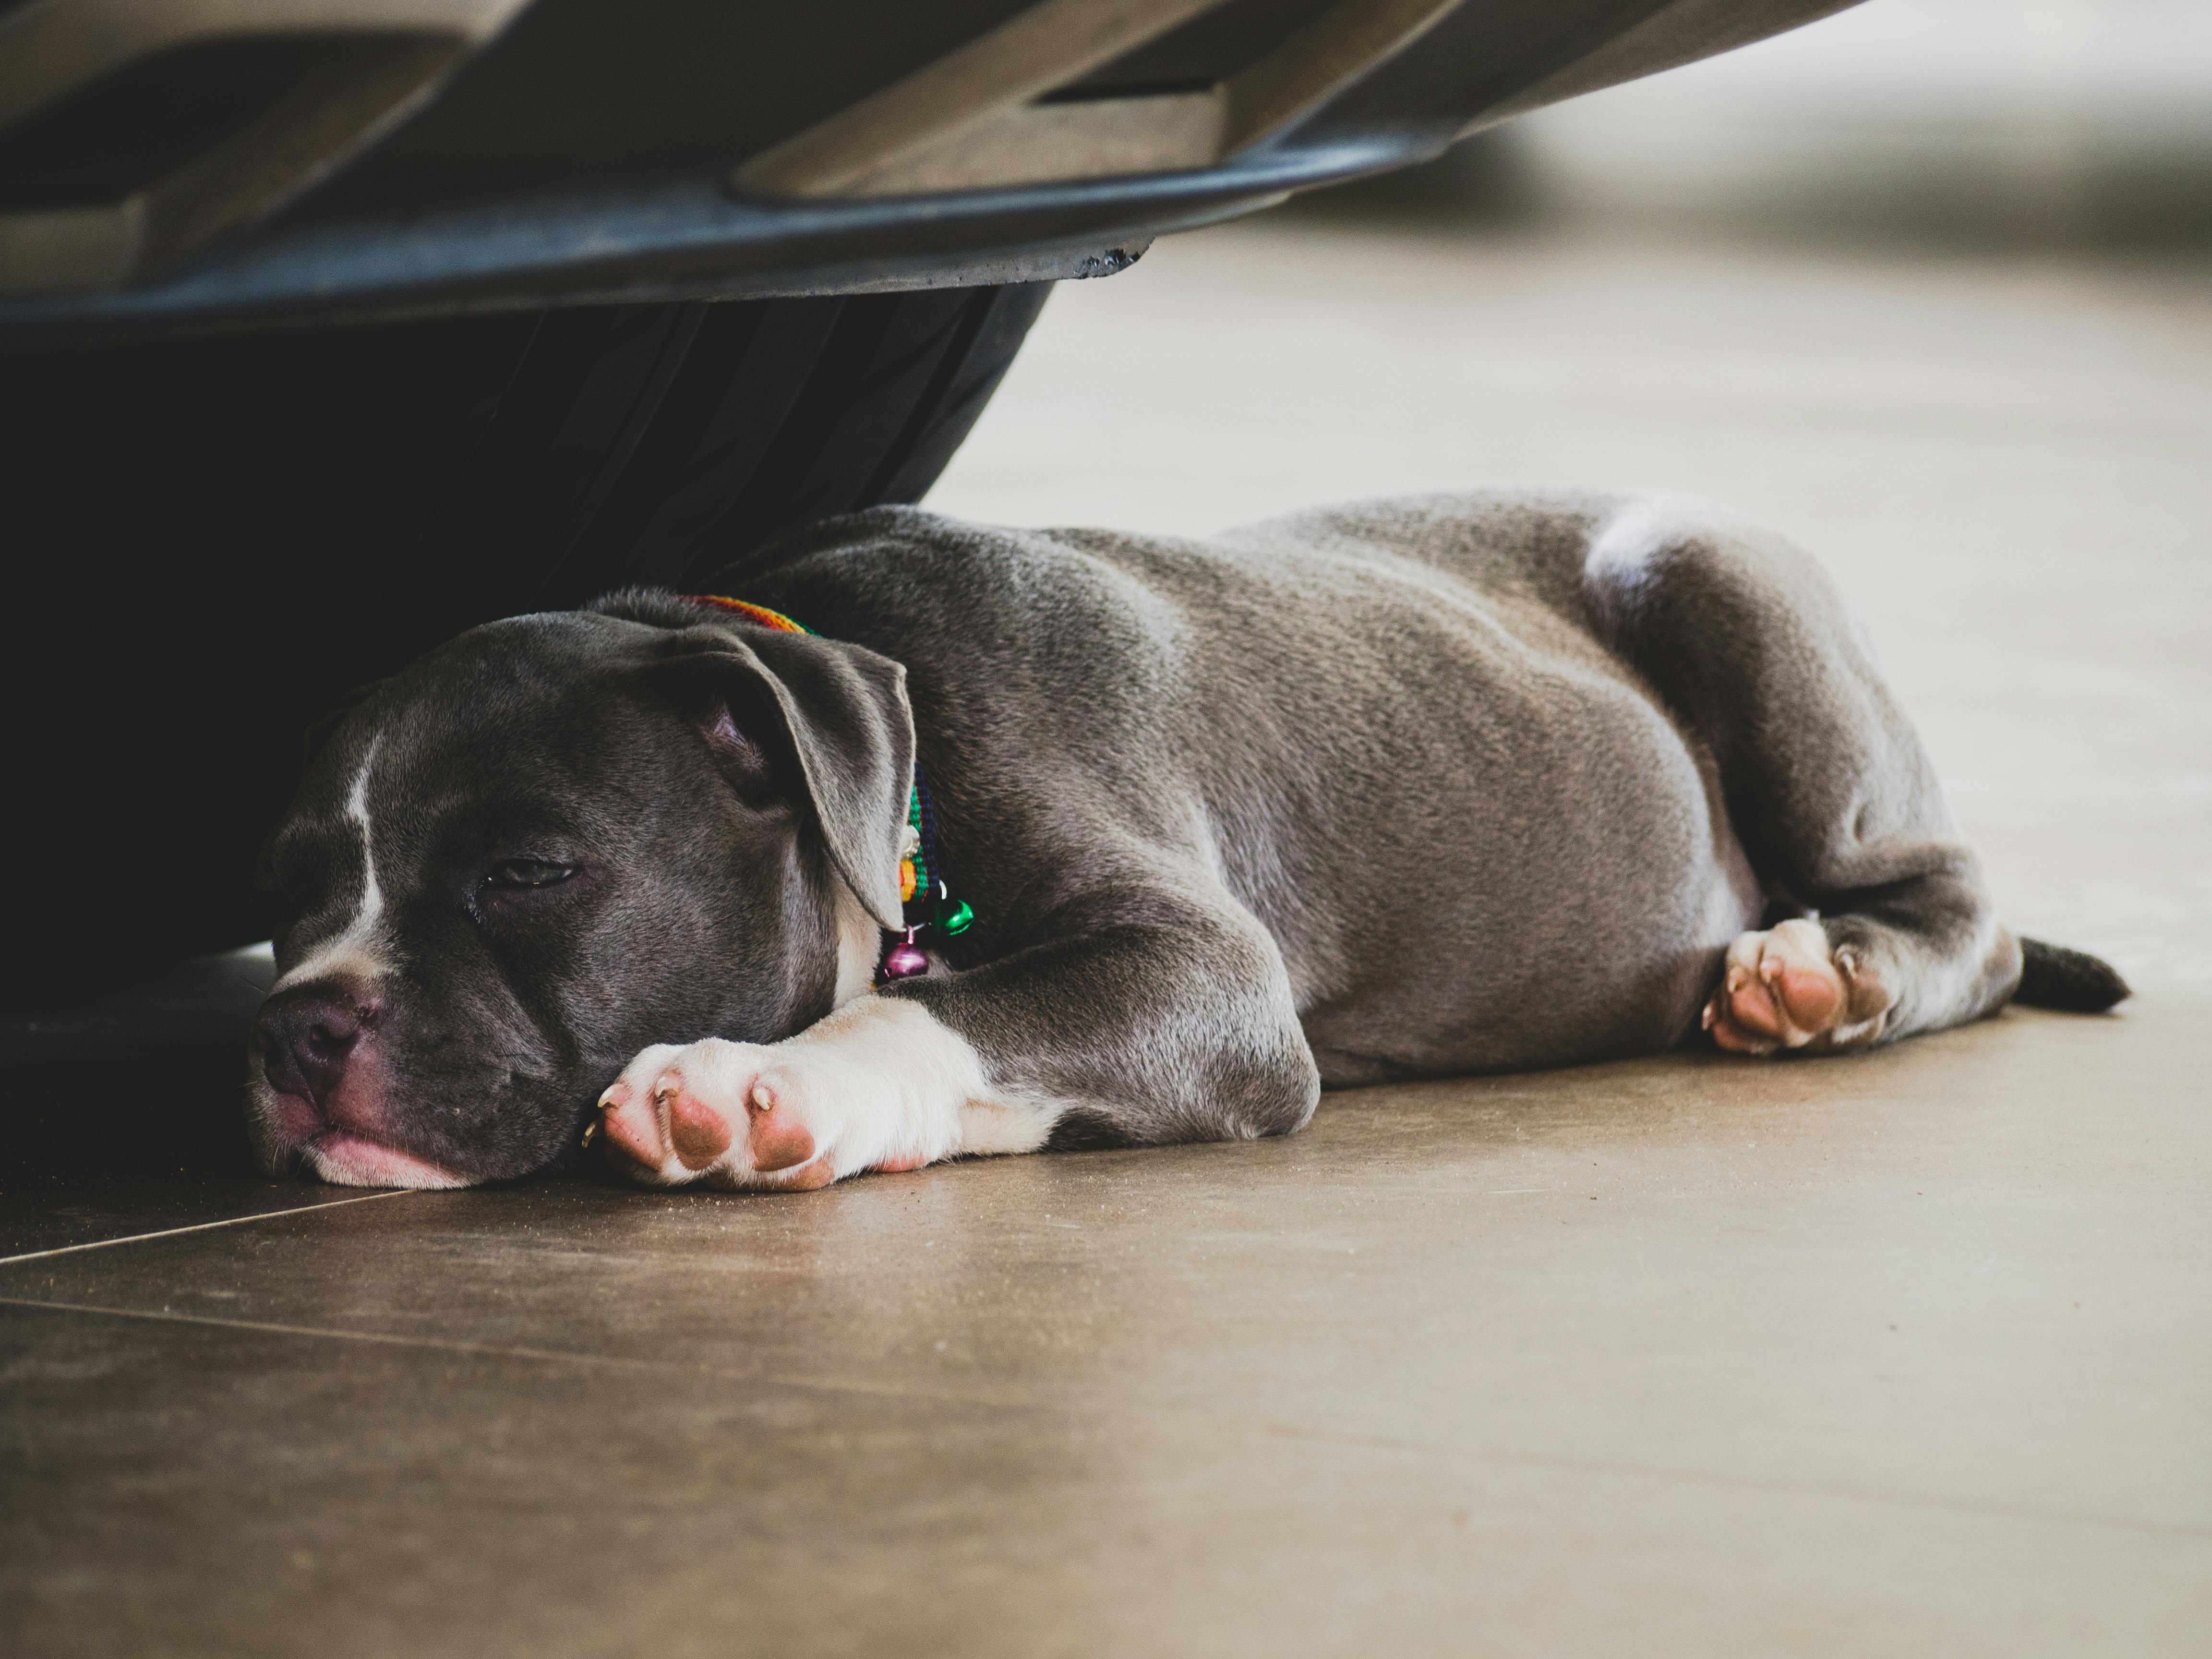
547, 844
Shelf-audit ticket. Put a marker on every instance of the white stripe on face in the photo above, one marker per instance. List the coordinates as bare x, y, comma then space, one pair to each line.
358, 948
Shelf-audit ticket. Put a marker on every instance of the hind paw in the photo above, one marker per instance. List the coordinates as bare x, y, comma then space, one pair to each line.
1786, 988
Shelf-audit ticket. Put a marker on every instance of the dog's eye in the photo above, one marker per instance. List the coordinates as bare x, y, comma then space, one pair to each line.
527, 873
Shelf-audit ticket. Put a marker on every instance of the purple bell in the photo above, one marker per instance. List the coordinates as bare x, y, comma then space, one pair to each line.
905, 960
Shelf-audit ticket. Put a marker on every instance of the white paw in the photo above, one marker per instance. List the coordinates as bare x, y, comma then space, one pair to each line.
1784, 988
842, 1097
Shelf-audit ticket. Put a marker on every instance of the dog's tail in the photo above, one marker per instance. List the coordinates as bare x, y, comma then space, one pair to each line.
2052, 976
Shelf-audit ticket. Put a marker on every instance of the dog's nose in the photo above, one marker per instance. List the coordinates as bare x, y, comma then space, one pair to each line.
306, 1036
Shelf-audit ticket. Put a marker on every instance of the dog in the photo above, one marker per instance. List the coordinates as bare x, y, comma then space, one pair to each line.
920, 840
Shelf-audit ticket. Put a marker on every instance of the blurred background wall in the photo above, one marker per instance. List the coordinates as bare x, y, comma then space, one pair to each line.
2008, 121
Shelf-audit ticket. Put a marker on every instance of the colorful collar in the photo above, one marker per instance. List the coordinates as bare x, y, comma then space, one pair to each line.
927, 902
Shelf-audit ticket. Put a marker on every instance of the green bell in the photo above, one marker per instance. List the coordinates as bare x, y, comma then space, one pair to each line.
954, 917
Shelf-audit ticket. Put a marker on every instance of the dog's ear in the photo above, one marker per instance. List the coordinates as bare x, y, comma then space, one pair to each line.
843, 710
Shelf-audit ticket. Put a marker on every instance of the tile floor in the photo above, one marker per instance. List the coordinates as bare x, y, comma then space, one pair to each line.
1904, 1354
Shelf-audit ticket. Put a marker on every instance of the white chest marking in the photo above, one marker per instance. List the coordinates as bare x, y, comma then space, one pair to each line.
859, 944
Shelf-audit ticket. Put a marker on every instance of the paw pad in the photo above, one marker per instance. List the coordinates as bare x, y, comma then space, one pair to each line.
774, 1138
1784, 988
697, 1129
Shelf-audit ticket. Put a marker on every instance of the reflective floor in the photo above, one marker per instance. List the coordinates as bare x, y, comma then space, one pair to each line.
1908, 1353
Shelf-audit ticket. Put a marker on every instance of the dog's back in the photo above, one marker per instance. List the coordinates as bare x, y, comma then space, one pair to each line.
1391, 728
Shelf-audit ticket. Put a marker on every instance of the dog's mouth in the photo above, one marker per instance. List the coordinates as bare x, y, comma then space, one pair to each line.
349, 1158
292, 1137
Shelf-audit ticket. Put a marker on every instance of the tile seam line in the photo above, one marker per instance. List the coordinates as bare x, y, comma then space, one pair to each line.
382, 1338
498, 1351
615, 1361
200, 1227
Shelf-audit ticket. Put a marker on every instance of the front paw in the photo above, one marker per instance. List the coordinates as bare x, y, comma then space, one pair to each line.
730, 1114
1784, 988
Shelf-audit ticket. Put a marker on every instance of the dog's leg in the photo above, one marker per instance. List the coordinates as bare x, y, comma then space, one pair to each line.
1748, 642
1163, 1030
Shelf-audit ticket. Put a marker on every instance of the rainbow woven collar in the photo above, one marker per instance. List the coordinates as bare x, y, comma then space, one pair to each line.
927, 902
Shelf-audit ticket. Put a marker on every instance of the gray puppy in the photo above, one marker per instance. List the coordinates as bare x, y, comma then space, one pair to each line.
1464, 783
